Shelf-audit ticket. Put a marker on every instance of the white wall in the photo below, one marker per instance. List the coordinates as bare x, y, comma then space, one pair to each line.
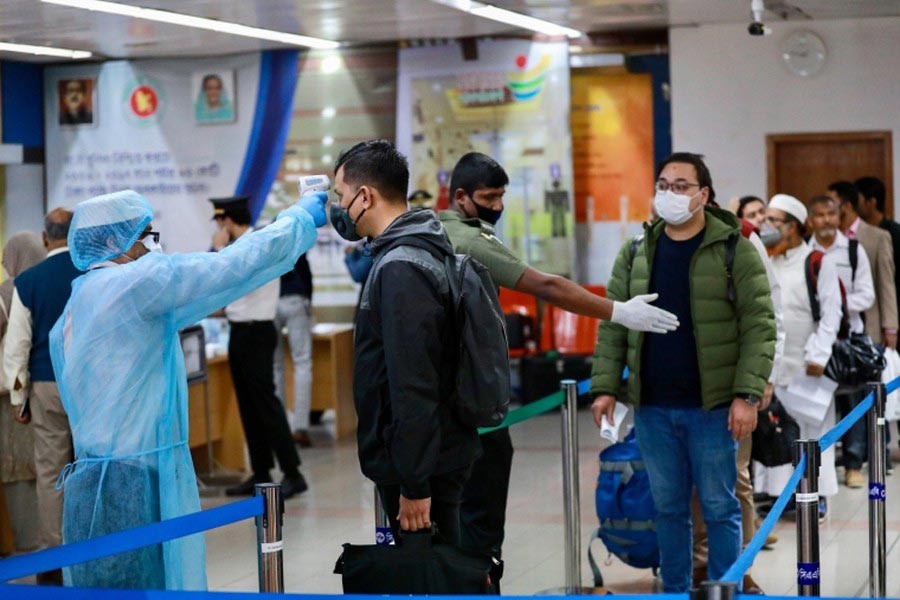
730, 89
24, 198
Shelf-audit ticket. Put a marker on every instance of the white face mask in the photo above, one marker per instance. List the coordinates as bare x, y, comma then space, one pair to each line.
674, 208
151, 244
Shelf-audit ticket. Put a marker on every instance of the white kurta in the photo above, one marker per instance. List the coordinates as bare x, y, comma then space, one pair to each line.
805, 341
859, 287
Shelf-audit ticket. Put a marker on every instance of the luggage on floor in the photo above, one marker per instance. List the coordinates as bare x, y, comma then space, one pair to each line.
625, 507
540, 375
420, 564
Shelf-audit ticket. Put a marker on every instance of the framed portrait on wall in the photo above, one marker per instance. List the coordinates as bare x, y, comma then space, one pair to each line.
214, 96
77, 101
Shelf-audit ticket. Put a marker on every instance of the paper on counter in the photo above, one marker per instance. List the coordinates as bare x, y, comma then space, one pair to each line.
809, 397
611, 432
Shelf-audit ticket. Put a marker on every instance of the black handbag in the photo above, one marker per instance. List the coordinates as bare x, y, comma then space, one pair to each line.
855, 360
422, 563
774, 437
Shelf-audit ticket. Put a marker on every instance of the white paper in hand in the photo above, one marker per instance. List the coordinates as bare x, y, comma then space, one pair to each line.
808, 398
611, 432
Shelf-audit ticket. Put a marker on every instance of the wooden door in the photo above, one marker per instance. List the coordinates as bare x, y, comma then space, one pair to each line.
804, 164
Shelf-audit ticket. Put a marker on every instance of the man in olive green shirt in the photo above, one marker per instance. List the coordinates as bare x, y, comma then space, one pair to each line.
477, 187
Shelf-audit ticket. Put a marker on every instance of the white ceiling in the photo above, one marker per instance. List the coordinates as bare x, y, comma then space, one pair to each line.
366, 21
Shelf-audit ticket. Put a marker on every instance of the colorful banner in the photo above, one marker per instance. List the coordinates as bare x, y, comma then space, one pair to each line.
612, 142
177, 131
510, 103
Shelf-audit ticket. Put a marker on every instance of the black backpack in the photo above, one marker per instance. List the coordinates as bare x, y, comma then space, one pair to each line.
482, 375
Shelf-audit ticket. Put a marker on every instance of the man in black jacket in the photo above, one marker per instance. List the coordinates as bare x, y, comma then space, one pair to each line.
411, 444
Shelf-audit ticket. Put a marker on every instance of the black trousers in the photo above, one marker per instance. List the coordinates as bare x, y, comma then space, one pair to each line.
446, 494
251, 351
856, 440
483, 511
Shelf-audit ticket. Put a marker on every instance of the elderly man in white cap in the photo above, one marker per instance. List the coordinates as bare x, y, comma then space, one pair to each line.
855, 272
807, 345
122, 380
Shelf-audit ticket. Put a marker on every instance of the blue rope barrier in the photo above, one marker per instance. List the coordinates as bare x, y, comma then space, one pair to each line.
129, 539
742, 564
745, 560
31, 592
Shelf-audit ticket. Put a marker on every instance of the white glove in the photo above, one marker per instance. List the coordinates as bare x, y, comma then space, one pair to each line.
640, 315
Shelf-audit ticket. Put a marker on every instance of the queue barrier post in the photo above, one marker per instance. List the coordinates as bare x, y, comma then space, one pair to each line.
384, 536
807, 503
270, 546
877, 493
571, 495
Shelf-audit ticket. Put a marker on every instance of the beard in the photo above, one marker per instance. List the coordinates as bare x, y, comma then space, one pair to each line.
827, 233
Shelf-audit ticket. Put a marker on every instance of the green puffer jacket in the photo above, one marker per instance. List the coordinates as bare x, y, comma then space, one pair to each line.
735, 340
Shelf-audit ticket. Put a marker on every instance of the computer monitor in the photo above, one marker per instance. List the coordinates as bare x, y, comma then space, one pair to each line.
193, 346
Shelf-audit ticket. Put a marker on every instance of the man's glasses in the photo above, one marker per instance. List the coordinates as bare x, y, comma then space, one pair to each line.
775, 221
153, 234
679, 187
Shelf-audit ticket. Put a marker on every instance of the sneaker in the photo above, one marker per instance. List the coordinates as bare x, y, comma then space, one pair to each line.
853, 479
823, 509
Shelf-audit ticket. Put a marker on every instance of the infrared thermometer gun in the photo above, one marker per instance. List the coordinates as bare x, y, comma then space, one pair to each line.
314, 183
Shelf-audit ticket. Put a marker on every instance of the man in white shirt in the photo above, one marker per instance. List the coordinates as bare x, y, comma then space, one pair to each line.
39, 297
855, 272
251, 352
824, 218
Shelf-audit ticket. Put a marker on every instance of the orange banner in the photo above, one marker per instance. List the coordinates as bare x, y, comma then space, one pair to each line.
612, 145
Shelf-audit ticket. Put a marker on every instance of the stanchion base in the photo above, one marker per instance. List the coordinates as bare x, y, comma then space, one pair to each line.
564, 591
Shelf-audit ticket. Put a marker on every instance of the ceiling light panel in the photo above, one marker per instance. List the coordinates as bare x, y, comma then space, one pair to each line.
173, 18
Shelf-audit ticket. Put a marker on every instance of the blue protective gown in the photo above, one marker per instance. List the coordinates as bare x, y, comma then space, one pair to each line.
121, 376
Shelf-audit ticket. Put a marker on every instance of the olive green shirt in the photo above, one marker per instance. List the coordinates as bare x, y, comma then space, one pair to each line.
476, 238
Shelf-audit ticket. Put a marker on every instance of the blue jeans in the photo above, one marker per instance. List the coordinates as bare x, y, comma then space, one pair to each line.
684, 447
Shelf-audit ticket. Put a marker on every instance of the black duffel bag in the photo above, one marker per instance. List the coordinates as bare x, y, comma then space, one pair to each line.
421, 564
855, 361
774, 437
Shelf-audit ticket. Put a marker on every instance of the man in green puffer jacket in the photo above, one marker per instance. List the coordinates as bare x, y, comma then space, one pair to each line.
694, 390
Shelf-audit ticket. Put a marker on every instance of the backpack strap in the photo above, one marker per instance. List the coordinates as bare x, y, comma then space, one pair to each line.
730, 251
636, 242
595, 569
811, 270
854, 259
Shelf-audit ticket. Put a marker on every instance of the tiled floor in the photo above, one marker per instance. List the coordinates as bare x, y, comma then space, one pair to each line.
338, 508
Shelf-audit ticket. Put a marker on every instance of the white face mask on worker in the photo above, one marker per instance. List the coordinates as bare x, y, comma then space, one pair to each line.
674, 208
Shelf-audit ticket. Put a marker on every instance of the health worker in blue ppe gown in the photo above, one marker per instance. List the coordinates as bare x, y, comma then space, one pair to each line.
122, 380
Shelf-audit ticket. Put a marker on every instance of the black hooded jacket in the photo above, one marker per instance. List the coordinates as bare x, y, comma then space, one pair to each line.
405, 369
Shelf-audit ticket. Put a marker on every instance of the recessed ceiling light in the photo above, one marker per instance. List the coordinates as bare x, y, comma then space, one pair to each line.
327, 140
509, 17
43, 50
173, 18
328, 112
327, 159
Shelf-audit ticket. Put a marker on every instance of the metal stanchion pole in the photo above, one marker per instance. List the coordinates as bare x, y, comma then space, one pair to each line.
718, 590
268, 538
384, 536
877, 494
571, 496
807, 502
